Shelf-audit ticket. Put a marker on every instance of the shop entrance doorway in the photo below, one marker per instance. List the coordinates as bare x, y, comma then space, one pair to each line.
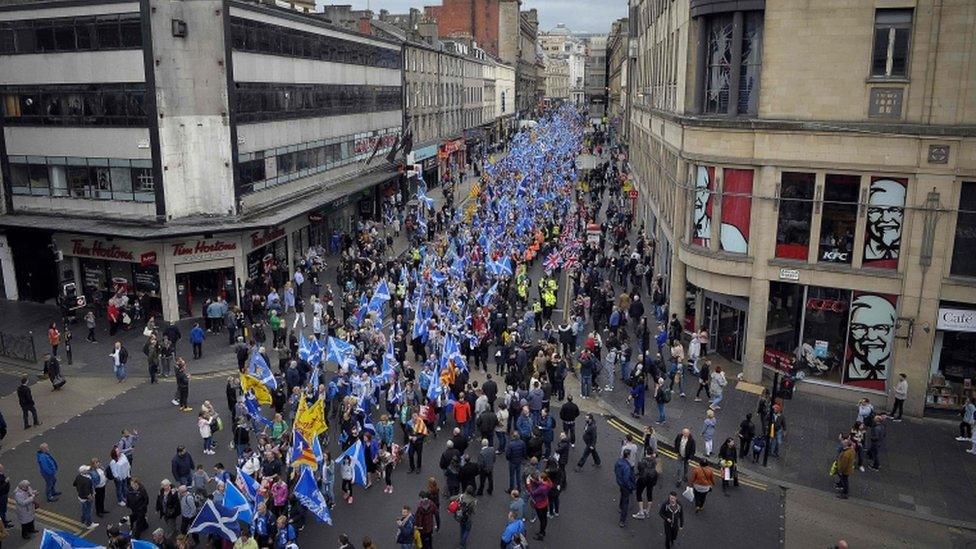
725, 317
194, 289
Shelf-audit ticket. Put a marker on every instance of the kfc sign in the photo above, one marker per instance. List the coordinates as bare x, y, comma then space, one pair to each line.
832, 305
835, 256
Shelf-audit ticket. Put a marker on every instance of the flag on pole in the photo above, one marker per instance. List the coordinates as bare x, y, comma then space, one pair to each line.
308, 494
259, 369
301, 452
310, 420
340, 352
254, 410
235, 501
56, 539
260, 390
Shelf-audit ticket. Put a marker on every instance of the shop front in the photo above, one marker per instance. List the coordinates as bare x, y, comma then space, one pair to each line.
203, 269
830, 335
267, 254
100, 268
724, 316
427, 158
451, 160
952, 371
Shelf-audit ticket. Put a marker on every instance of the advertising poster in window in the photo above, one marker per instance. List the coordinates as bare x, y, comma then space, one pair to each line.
736, 208
886, 212
702, 230
870, 340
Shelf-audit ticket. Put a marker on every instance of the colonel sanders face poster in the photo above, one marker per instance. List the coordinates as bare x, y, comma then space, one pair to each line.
882, 235
702, 216
736, 209
870, 340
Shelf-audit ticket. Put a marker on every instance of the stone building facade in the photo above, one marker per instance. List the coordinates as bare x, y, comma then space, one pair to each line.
808, 171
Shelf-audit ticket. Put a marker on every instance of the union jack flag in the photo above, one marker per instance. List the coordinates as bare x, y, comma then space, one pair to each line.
571, 261
552, 262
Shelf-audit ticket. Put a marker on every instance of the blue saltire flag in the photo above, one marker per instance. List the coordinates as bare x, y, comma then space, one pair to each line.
303, 349
363, 308
453, 352
56, 539
254, 409
358, 456
341, 352
142, 544
422, 196
438, 278
486, 297
216, 520
317, 450
235, 502
505, 266
308, 494
251, 486
259, 368
313, 380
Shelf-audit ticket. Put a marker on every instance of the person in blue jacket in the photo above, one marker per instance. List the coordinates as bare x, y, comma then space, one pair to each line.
624, 472
197, 336
49, 470
514, 528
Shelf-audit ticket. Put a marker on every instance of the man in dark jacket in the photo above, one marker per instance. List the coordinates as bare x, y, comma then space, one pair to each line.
490, 389
86, 495
515, 454
486, 465
589, 439
137, 500
182, 467
168, 507
469, 473
52, 369
624, 472
26, 400
568, 413
684, 446
486, 423
4, 493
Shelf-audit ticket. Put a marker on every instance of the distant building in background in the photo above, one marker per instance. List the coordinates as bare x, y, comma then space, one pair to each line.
618, 56
560, 43
595, 77
557, 78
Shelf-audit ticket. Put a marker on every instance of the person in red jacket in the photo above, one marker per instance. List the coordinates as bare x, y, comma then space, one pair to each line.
539, 486
462, 415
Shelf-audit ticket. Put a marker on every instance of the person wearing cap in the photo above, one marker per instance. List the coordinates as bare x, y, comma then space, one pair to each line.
159, 538
86, 495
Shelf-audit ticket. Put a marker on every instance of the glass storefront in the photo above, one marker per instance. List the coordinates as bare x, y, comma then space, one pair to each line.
101, 278
267, 258
953, 367
831, 334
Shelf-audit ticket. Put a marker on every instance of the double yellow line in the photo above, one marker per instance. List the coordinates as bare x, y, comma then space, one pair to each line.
60, 522
639, 437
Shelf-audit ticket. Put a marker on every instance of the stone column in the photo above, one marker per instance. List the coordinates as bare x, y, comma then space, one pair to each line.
755, 341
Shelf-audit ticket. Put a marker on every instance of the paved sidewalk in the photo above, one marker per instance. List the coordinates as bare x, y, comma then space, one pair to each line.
24, 318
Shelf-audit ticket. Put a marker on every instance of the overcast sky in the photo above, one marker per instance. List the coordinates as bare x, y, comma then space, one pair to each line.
578, 15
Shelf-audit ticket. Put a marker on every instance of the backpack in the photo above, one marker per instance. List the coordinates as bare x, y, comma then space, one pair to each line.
665, 394
216, 424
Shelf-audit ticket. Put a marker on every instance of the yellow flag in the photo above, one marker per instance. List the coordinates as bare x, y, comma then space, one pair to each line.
261, 392
310, 420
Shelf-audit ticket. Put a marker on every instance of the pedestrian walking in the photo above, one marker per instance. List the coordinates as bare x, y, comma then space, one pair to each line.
4, 498
539, 487
704, 380
152, 350
747, 432
405, 528
197, 335
876, 436
90, 324
662, 395
674, 519
701, 481
127, 444
515, 455
426, 519
589, 440
182, 385
49, 471
182, 466
646, 479
684, 446
52, 370
120, 357
968, 418
717, 383
777, 430
568, 413
168, 507
137, 500
708, 431
845, 468
462, 507
26, 400
514, 531
624, 473
486, 464
54, 338
728, 455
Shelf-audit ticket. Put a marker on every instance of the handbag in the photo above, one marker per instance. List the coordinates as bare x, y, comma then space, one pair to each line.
417, 542
689, 494
833, 468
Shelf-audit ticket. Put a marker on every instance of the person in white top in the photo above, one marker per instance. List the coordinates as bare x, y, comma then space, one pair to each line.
121, 471
901, 395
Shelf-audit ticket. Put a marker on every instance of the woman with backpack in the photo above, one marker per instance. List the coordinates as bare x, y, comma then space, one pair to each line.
461, 508
704, 375
646, 480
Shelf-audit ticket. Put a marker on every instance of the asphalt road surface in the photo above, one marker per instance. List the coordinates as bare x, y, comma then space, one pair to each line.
749, 517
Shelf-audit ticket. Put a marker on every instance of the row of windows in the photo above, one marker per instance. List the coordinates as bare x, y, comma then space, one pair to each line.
427, 61
92, 178
263, 169
430, 94
260, 102
75, 105
257, 37
104, 32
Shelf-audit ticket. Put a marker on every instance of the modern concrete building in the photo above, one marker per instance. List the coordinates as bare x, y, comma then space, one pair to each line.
595, 77
177, 149
808, 170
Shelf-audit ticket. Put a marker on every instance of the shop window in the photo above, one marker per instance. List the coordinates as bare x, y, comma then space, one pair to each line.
886, 212
701, 230
839, 218
823, 341
736, 209
795, 214
785, 308
892, 30
963, 258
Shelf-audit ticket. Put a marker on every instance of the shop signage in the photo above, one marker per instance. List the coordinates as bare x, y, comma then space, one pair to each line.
147, 259
957, 320
778, 359
423, 154
789, 274
832, 305
451, 146
102, 249
267, 236
835, 255
202, 250
367, 144
316, 217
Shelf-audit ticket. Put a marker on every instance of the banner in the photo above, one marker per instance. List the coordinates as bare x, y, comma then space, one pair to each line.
310, 420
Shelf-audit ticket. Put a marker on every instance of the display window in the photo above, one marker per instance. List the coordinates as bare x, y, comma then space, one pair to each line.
795, 215
839, 218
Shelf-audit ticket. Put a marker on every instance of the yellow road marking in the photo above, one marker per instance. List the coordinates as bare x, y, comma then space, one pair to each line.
627, 429
55, 519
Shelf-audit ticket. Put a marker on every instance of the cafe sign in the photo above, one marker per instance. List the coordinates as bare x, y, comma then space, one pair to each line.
265, 237
189, 251
956, 320
111, 250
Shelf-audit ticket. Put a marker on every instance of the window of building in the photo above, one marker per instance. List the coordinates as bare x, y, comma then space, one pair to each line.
718, 73
839, 218
258, 101
93, 178
795, 213
730, 83
106, 32
963, 258
736, 209
75, 105
892, 31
